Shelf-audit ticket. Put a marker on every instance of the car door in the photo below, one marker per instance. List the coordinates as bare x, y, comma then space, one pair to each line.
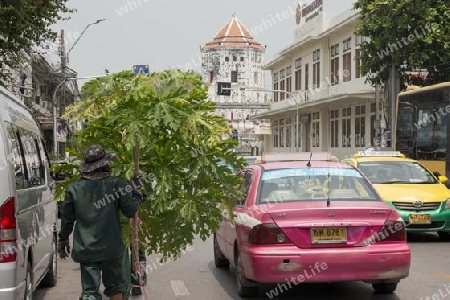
239, 207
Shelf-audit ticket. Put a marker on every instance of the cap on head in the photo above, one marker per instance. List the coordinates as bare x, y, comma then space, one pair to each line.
96, 157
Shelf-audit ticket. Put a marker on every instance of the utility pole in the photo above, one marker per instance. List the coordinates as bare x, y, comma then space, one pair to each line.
63, 75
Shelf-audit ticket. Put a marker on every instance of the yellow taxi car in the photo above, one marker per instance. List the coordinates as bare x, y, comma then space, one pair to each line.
421, 198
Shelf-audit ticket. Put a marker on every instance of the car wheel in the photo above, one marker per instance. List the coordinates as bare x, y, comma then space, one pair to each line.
444, 235
242, 289
384, 288
51, 276
28, 284
219, 259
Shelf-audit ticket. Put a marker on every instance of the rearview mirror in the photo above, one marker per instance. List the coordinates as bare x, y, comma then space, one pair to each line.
443, 179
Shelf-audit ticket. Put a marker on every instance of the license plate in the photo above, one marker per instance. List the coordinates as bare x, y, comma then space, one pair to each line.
419, 219
328, 235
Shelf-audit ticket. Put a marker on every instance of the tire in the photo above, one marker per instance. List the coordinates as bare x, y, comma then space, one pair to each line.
219, 259
243, 289
384, 288
28, 284
444, 235
51, 277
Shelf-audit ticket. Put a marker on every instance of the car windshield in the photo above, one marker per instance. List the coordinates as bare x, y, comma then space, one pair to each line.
396, 172
314, 184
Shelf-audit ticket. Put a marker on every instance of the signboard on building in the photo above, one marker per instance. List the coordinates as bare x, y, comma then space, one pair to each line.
307, 11
263, 129
224, 89
140, 69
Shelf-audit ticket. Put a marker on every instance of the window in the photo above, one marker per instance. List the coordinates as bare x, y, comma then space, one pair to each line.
316, 68
315, 129
360, 126
306, 76
255, 78
288, 132
282, 84
288, 79
357, 63
211, 76
227, 58
358, 41
347, 60
281, 132
298, 74
334, 64
234, 77
33, 161
275, 133
346, 127
334, 130
275, 94
16, 158
244, 187
283, 88
242, 58
234, 58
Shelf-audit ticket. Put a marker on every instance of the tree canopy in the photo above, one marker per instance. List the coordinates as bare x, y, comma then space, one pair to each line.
184, 150
409, 34
26, 23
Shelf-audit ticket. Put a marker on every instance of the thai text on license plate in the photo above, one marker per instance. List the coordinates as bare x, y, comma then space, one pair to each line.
419, 219
328, 235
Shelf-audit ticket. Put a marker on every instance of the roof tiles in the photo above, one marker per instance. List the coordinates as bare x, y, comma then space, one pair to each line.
233, 34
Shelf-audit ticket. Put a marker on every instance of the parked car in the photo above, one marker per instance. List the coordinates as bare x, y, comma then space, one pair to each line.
420, 197
310, 220
28, 212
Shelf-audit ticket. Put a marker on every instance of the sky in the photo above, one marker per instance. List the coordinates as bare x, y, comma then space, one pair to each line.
168, 34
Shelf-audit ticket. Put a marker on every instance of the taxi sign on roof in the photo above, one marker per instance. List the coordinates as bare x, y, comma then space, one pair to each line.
369, 153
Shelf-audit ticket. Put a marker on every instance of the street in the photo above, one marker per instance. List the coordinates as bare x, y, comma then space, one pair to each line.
194, 276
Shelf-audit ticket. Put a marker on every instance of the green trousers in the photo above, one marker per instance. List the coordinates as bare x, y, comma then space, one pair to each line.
108, 271
132, 278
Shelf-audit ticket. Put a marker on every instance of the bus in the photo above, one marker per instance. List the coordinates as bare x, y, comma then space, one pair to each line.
422, 126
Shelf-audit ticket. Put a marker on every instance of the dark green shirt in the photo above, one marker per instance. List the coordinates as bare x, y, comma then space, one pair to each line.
93, 206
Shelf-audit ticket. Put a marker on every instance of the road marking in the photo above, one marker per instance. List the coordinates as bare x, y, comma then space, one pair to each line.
441, 274
179, 288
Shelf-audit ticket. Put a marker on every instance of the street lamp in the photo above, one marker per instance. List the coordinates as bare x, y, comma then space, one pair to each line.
84, 30
292, 95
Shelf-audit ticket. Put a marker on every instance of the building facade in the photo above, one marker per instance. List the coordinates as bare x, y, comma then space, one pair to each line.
232, 64
324, 103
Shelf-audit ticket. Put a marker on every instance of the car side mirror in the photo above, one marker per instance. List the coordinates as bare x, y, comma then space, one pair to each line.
443, 179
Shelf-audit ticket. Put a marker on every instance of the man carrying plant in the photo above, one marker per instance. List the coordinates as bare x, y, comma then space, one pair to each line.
93, 203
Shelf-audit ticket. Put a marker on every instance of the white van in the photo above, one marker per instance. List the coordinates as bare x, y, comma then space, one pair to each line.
28, 212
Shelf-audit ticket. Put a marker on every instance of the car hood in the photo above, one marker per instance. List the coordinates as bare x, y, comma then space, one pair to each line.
411, 192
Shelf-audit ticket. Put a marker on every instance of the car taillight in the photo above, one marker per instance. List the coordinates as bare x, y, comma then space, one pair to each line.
268, 233
392, 231
8, 247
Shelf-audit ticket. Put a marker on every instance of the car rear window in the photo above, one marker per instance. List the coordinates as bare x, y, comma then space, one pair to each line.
309, 184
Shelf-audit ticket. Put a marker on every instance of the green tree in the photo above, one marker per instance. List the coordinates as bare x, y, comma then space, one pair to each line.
409, 34
25, 23
180, 144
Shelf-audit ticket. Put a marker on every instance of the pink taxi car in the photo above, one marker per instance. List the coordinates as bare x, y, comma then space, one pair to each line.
305, 217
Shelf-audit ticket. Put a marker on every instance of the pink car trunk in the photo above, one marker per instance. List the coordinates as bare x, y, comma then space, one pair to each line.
314, 225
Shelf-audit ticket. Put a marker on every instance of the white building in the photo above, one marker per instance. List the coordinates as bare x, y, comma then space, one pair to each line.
232, 63
323, 88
